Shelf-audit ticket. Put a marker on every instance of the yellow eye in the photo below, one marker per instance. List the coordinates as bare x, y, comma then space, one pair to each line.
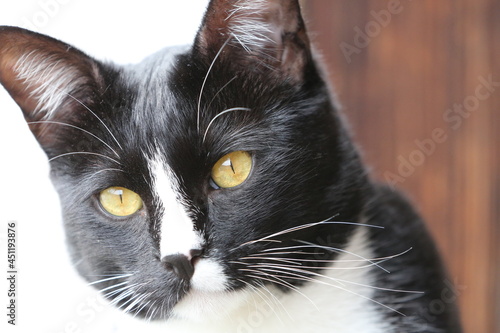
232, 169
120, 201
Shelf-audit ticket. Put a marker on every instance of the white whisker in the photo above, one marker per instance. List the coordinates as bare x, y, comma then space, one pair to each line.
142, 307
75, 127
112, 286
105, 170
137, 299
205, 81
283, 283
285, 260
219, 91
294, 264
341, 281
113, 277
112, 293
329, 248
98, 118
277, 301
347, 290
305, 226
260, 255
84, 153
220, 114
264, 297
265, 253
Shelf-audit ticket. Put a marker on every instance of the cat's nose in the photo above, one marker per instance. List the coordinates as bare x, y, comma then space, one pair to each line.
182, 265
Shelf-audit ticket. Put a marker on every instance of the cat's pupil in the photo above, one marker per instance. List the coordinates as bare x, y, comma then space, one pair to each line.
232, 169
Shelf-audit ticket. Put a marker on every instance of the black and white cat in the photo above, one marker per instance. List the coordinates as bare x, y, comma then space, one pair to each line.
214, 188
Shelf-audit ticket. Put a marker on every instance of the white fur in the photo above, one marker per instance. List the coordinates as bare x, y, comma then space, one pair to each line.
177, 230
207, 276
248, 26
208, 299
324, 306
49, 80
207, 296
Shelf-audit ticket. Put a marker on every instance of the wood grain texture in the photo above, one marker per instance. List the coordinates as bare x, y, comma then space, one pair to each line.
414, 92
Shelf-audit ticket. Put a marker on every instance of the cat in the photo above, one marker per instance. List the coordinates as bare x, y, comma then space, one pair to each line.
215, 187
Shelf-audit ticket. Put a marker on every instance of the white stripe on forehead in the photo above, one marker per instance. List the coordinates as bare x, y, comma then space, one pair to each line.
177, 228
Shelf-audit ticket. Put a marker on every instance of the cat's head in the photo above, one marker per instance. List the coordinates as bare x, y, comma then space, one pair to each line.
188, 178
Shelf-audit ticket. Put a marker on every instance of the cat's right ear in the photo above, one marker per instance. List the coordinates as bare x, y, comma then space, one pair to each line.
45, 77
257, 34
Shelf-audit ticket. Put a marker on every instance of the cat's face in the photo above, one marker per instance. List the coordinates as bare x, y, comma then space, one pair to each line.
195, 174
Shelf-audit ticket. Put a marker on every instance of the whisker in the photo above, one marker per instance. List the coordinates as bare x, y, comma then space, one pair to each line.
362, 296
263, 297
312, 245
305, 226
152, 312
219, 91
251, 294
277, 301
259, 256
286, 260
283, 283
108, 295
138, 299
359, 295
98, 118
277, 281
113, 286
280, 252
205, 81
142, 307
313, 267
130, 292
75, 127
220, 114
113, 277
329, 248
84, 153
300, 270
105, 170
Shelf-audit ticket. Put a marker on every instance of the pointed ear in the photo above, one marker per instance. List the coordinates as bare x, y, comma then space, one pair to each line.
256, 32
45, 77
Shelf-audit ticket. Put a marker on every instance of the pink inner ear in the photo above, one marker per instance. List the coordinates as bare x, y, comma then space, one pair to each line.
9, 79
40, 72
45, 77
267, 32
47, 81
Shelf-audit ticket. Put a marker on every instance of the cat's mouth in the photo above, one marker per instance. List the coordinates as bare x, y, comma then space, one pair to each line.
175, 293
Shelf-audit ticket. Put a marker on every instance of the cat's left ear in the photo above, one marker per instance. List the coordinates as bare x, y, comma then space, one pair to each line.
257, 33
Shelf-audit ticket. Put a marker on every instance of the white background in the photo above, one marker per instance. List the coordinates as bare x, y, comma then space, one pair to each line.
51, 297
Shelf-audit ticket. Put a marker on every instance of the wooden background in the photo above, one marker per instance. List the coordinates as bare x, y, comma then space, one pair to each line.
416, 61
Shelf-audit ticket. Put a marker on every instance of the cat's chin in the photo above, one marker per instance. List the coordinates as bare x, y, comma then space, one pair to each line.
202, 306
208, 297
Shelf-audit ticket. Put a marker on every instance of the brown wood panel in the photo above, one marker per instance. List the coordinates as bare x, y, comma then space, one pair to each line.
413, 89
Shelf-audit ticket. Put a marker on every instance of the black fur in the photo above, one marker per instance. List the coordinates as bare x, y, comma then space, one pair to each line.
305, 170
